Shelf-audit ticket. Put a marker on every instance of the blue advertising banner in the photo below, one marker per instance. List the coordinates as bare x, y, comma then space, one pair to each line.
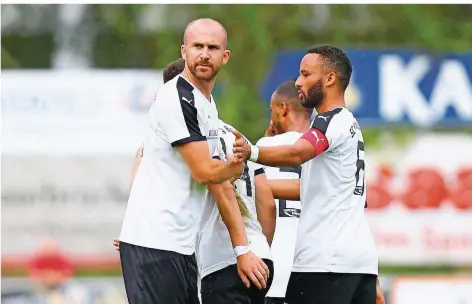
397, 87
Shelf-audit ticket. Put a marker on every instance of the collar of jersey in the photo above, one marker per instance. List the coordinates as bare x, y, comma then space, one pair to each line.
195, 88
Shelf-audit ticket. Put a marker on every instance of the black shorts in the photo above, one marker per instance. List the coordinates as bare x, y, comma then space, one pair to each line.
225, 286
154, 276
270, 300
331, 288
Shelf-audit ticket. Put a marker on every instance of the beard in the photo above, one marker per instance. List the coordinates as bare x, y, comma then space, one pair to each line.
208, 74
315, 96
278, 129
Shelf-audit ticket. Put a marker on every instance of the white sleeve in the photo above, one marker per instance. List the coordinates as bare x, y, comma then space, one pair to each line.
178, 117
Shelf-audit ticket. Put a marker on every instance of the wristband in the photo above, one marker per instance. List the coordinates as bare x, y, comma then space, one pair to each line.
240, 250
254, 153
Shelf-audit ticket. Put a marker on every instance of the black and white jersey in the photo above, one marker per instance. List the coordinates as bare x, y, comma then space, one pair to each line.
288, 213
333, 232
165, 203
214, 249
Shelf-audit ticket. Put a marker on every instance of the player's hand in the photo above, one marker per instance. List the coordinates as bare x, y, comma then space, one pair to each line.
236, 165
116, 244
241, 148
251, 267
234, 178
380, 298
270, 130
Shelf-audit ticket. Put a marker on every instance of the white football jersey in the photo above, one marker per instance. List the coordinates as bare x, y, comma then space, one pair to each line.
288, 212
333, 232
214, 247
165, 203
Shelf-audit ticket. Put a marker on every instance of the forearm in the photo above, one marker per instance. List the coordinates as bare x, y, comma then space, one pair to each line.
217, 172
288, 189
230, 213
265, 205
279, 156
266, 216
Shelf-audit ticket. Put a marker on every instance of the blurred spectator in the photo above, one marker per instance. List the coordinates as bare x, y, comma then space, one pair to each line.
51, 271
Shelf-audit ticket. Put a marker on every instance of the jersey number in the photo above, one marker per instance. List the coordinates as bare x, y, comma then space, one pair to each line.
247, 179
283, 210
360, 172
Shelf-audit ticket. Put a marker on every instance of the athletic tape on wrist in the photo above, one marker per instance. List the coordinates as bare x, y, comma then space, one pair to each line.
240, 250
254, 153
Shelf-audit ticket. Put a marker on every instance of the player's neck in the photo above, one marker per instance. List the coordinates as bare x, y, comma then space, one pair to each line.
330, 103
204, 86
299, 124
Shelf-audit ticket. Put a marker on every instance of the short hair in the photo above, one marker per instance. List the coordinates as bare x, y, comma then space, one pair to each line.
173, 69
288, 91
336, 59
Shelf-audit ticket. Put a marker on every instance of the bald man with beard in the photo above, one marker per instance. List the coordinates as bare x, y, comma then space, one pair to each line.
158, 235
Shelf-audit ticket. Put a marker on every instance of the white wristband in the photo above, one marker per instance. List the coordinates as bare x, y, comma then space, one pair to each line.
240, 250
254, 153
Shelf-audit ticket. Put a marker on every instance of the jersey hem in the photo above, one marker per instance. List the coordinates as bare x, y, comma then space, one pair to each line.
217, 267
177, 249
336, 269
223, 265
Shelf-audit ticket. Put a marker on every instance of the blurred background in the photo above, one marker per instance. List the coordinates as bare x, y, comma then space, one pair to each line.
77, 82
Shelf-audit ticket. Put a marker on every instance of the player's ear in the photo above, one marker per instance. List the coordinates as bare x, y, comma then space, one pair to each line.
330, 79
183, 51
226, 56
284, 108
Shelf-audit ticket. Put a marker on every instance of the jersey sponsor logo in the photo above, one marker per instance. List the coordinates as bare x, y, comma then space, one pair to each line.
284, 209
325, 118
291, 212
213, 133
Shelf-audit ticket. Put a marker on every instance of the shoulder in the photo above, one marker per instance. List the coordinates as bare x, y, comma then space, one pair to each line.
333, 121
175, 91
287, 138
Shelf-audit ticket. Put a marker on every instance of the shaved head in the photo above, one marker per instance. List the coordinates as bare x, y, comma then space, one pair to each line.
206, 25
204, 48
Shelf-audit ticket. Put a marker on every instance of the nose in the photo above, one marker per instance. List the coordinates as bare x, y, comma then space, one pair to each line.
298, 83
205, 55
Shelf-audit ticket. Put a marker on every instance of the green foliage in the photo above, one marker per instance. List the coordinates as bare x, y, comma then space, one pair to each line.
256, 33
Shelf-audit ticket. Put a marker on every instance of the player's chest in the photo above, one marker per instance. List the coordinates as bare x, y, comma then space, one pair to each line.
207, 117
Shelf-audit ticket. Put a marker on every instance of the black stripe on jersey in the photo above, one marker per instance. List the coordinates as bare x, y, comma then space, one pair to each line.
223, 145
259, 171
216, 157
187, 103
321, 121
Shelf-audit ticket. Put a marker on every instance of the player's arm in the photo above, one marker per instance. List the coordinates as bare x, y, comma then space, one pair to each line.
203, 168
279, 156
178, 118
265, 205
311, 144
288, 189
229, 210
